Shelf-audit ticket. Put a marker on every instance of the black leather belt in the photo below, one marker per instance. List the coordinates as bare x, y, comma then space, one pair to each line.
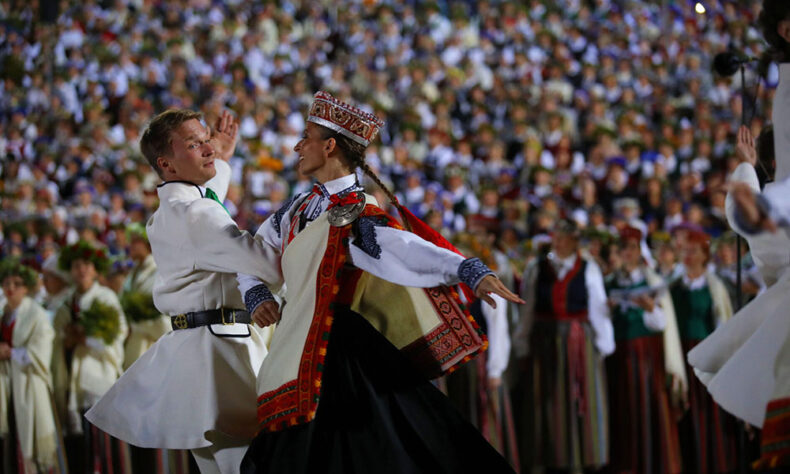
196, 319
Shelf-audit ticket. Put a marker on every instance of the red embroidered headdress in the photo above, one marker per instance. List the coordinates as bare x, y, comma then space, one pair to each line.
343, 118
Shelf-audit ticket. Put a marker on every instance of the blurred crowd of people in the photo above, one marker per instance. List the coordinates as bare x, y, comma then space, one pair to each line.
503, 115
503, 120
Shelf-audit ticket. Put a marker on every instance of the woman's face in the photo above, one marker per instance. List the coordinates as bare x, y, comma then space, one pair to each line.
694, 256
312, 150
84, 274
631, 253
14, 290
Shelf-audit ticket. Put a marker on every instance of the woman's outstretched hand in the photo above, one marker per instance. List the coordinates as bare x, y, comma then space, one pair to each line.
492, 284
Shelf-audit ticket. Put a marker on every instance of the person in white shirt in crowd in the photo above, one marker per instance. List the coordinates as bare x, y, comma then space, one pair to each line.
30, 441
87, 358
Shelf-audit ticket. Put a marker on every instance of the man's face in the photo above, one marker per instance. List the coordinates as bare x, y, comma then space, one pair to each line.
192, 158
563, 244
312, 150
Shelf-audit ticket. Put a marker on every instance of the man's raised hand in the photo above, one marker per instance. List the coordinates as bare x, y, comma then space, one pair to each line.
224, 135
744, 146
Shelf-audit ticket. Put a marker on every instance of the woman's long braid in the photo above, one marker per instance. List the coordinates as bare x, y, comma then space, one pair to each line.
355, 154
369, 172
372, 175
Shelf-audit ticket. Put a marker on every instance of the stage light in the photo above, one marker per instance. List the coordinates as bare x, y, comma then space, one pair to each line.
699, 8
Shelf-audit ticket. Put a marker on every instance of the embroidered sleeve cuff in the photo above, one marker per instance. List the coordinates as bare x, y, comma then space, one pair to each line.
472, 271
365, 238
771, 211
255, 296
765, 207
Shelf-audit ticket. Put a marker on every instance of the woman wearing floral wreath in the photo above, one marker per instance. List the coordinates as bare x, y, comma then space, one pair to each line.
647, 356
29, 438
335, 392
146, 326
87, 358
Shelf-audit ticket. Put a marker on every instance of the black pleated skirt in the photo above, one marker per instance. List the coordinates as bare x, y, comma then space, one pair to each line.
377, 414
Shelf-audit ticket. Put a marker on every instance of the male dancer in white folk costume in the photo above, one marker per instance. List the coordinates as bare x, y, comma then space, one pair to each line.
195, 388
746, 362
724, 360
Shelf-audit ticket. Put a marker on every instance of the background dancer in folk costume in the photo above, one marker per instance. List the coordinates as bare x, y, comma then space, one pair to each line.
766, 218
336, 394
563, 334
707, 433
195, 387
146, 326
56, 282
643, 423
87, 359
30, 440
479, 388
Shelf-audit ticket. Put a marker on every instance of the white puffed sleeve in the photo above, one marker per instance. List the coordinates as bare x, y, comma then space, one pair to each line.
406, 259
598, 310
498, 336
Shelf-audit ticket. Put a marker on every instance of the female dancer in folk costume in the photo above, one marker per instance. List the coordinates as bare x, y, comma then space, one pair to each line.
335, 392
746, 362
563, 334
643, 424
30, 441
195, 387
707, 433
87, 359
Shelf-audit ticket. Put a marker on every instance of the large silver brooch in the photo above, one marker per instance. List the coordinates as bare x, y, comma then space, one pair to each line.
340, 216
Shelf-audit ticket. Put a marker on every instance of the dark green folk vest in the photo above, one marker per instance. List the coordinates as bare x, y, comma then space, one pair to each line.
694, 311
629, 323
